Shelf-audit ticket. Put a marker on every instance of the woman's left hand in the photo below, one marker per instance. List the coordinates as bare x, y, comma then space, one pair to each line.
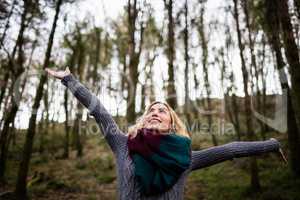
58, 74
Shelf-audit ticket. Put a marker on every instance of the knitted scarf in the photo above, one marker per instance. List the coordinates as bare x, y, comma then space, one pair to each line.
159, 160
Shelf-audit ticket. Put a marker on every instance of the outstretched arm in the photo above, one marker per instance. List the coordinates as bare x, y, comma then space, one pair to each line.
214, 155
115, 138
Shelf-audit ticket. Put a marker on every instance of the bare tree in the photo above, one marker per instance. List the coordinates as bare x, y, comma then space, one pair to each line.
17, 68
255, 185
134, 51
274, 17
171, 90
204, 48
247, 5
21, 189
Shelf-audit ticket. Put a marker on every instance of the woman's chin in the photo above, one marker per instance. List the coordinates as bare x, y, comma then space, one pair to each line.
157, 127
153, 126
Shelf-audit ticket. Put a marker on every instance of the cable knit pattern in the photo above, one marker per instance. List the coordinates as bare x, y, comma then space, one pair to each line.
117, 140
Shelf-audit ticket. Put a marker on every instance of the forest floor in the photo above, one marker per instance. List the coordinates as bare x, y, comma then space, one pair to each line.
93, 175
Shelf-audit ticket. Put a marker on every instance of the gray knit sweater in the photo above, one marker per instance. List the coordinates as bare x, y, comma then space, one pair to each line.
117, 140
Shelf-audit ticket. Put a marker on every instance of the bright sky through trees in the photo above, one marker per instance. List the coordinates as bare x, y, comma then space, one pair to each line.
99, 13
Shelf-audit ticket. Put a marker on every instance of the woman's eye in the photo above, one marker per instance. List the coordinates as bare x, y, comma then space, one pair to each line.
151, 110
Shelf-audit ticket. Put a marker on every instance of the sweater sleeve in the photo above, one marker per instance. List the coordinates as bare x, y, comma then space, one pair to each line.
115, 137
214, 155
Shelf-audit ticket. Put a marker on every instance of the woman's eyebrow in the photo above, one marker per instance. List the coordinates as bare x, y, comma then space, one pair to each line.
150, 110
163, 108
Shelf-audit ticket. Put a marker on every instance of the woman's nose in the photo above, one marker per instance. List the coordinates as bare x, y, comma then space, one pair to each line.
155, 113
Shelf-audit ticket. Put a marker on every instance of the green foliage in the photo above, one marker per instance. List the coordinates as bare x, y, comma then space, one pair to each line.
105, 179
80, 164
49, 176
56, 184
229, 181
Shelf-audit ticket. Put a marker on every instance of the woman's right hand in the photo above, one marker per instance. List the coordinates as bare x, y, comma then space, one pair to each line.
58, 74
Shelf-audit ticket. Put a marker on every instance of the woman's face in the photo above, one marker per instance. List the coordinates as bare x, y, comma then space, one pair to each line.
158, 117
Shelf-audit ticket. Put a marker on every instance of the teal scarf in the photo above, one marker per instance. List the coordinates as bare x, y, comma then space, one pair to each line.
159, 160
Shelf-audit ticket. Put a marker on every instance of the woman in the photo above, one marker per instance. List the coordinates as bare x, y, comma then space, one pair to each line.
154, 159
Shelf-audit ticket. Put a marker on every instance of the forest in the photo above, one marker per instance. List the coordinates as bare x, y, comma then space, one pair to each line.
230, 70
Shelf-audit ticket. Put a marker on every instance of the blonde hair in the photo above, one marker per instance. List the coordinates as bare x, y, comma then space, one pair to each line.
177, 125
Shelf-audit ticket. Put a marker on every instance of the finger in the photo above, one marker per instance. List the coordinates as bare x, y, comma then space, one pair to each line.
48, 70
51, 72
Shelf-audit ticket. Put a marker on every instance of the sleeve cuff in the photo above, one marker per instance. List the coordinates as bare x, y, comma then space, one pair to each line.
66, 79
275, 143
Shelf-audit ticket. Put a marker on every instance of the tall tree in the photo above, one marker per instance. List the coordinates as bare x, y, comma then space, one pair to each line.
171, 90
187, 102
67, 111
98, 48
229, 44
247, 7
204, 59
21, 189
7, 24
186, 55
291, 53
274, 18
152, 41
16, 69
81, 59
135, 27
255, 185
44, 122
72, 44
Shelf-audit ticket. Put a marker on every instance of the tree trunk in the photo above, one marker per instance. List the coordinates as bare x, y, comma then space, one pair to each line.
21, 190
4, 141
297, 8
204, 47
12, 68
187, 102
4, 85
71, 63
41, 129
18, 69
232, 105
253, 63
7, 24
98, 33
20, 39
272, 31
134, 56
265, 128
232, 110
6, 134
255, 185
77, 129
171, 90
66, 124
45, 127
291, 53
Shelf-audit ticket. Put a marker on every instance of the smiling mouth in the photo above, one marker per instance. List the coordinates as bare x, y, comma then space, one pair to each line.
155, 120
